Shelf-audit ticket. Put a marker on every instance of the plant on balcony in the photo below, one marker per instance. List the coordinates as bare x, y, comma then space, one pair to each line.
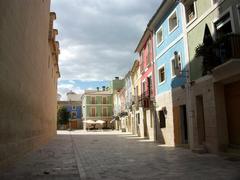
207, 51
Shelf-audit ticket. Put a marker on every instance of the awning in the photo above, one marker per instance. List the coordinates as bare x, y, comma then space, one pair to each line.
89, 122
100, 122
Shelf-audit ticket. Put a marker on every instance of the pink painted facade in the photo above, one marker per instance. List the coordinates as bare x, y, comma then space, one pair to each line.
147, 67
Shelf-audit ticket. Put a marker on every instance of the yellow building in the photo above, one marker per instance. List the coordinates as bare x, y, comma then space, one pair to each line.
136, 92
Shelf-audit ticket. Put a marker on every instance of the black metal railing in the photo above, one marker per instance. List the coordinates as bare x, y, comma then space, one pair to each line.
227, 47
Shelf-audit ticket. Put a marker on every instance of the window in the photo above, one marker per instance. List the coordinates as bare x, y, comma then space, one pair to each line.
74, 115
190, 11
162, 119
223, 26
93, 100
159, 36
149, 52
104, 100
173, 22
161, 74
150, 89
93, 112
176, 65
73, 107
105, 111
144, 88
142, 61
138, 118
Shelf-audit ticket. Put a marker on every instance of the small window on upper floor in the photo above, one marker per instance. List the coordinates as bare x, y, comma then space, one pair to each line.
141, 61
223, 25
190, 12
161, 74
176, 65
104, 100
173, 22
159, 36
93, 100
73, 107
149, 53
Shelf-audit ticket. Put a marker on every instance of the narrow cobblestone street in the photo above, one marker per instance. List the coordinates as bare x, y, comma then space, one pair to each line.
113, 155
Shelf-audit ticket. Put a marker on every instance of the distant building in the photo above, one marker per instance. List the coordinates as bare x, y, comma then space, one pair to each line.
97, 105
75, 110
72, 96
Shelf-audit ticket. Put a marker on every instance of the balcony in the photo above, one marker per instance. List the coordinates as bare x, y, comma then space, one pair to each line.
216, 53
135, 102
228, 48
146, 99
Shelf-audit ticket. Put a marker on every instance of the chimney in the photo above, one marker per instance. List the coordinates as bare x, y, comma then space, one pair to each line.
103, 88
97, 88
116, 78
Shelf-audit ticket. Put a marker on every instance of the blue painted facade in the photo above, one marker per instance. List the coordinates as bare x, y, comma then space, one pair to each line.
164, 52
78, 110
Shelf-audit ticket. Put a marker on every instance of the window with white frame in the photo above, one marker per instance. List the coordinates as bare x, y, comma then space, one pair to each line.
190, 11
159, 36
172, 21
223, 25
73, 107
161, 74
176, 65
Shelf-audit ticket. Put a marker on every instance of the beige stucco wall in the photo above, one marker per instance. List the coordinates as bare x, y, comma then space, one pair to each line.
165, 135
28, 85
150, 124
205, 87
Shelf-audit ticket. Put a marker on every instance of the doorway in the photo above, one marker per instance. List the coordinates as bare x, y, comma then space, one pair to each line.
200, 120
232, 97
184, 125
180, 125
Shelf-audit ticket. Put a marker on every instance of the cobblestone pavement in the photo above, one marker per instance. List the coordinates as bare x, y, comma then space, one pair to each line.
119, 156
56, 160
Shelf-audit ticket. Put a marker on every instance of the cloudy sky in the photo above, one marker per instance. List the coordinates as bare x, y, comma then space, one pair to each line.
98, 39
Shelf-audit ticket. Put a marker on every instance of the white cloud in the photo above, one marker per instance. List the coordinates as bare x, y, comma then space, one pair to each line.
64, 88
98, 37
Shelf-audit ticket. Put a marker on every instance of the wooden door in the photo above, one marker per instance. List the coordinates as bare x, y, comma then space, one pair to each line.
232, 97
177, 125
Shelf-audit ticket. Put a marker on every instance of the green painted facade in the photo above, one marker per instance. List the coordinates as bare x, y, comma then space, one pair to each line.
117, 84
207, 13
99, 105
